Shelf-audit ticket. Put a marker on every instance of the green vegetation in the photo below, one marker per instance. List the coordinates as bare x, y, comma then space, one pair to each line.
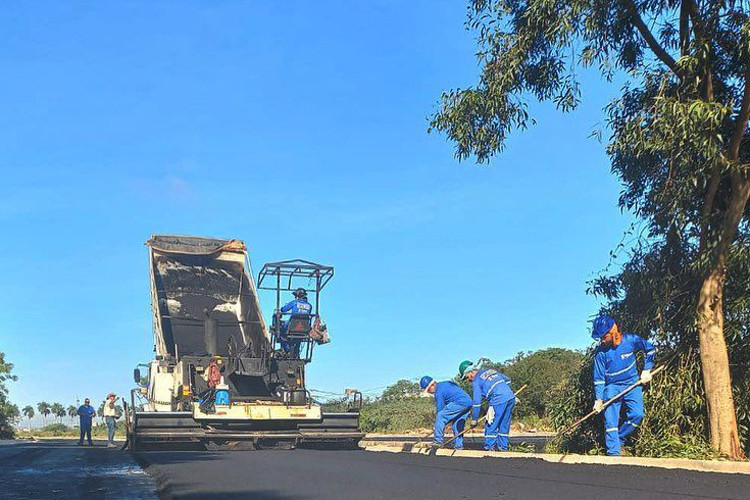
543, 372
401, 409
9, 413
44, 410
398, 409
675, 423
61, 430
678, 141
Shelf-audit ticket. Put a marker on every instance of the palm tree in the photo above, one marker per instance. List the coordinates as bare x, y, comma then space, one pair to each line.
43, 408
58, 410
72, 413
28, 410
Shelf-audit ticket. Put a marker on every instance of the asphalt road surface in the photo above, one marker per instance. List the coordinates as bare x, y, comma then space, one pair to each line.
61, 469
313, 474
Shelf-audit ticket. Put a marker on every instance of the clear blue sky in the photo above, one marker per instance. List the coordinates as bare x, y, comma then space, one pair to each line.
299, 127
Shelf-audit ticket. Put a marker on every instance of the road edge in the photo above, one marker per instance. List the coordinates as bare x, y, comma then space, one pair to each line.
724, 467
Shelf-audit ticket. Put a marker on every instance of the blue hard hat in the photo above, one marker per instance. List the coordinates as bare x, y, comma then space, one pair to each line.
425, 382
602, 325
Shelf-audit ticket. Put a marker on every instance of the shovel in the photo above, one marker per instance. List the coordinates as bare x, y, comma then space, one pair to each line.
606, 403
434, 449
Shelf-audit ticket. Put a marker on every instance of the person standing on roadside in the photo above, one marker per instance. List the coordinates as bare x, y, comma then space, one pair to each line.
86, 412
615, 369
110, 417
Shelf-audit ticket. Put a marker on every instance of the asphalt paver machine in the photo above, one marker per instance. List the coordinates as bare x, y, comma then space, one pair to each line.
220, 376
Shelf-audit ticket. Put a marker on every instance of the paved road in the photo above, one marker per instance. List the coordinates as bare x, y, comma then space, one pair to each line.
60, 469
311, 474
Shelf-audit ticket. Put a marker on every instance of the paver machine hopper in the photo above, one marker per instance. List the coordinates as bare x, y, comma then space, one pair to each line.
220, 376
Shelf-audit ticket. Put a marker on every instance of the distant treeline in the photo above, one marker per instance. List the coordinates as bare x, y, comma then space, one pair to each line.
399, 408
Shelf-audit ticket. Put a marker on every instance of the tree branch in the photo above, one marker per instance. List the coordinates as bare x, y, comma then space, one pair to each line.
653, 44
684, 28
704, 48
708, 205
692, 8
741, 124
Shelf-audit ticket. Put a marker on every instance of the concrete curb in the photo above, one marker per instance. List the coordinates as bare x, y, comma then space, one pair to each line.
665, 463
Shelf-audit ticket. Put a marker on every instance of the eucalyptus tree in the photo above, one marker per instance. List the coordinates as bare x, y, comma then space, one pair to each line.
677, 135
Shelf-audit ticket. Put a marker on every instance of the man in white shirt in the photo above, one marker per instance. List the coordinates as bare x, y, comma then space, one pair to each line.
110, 416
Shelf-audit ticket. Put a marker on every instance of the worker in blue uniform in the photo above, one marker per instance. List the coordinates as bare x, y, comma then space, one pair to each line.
86, 412
493, 386
299, 305
453, 405
614, 370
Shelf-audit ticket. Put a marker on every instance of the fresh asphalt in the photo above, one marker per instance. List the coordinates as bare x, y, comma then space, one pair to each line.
335, 474
60, 469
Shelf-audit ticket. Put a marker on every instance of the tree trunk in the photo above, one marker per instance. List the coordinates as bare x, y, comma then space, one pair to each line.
713, 346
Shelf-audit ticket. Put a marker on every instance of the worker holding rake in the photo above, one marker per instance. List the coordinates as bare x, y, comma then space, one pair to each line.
453, 406
614, 371
493, 386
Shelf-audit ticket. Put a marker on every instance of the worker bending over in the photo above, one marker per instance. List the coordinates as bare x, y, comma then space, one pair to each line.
493, 386
453, 405
614, 370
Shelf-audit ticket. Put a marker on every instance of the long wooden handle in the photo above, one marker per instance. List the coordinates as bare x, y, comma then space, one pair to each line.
606, 403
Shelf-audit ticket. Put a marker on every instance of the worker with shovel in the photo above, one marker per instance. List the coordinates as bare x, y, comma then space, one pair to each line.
453, 405
615, 370
493, 386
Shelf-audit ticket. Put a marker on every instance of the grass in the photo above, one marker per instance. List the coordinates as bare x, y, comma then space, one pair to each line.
61, 430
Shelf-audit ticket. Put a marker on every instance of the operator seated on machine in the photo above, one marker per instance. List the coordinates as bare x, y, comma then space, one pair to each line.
299, 305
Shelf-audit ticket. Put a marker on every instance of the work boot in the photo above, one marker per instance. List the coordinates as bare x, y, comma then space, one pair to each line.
111, 445
79, 443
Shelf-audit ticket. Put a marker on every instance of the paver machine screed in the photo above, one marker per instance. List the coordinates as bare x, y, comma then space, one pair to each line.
220, 376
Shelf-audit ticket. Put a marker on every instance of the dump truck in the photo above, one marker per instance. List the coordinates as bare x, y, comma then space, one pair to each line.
220, 376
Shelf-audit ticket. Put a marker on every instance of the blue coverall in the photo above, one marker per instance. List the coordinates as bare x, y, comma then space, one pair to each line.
87, 413
453, 406
495, 387
297, 306
614, 370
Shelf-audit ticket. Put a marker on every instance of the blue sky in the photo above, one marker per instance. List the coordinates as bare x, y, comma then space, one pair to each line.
301, 128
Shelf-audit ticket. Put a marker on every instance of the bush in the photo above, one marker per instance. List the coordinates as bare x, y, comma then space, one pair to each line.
54, 430
9, 413
398, 415
675, 424
543, 372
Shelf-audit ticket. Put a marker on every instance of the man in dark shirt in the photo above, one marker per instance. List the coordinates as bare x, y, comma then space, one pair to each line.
87, 414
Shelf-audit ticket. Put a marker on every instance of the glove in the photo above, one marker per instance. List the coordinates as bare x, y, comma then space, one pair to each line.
646, 376
473, 423
598, 405
490, 415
